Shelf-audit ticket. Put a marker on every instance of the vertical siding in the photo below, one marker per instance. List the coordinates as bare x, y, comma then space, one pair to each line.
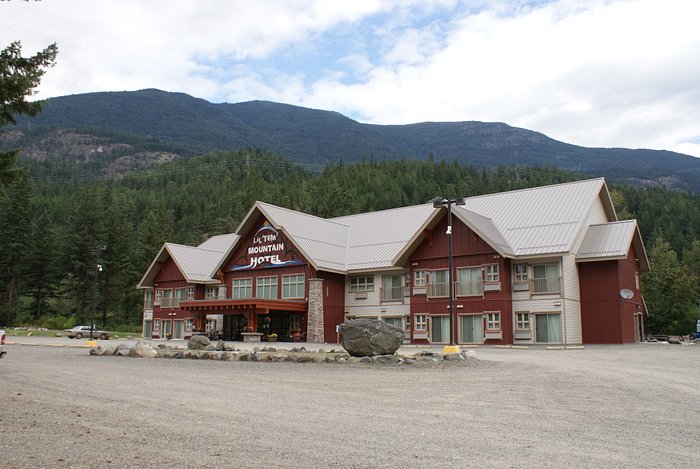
571, 296
333, 304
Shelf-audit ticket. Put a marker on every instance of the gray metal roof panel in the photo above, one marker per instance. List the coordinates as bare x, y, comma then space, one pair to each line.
221, 243
607, 240
196, 264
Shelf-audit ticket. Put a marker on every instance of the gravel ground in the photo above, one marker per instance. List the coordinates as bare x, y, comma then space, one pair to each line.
605, 406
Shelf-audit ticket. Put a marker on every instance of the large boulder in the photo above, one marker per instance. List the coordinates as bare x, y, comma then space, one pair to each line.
144, 350
370, 337
198, 342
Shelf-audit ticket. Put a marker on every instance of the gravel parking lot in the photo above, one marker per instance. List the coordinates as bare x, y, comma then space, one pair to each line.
605, 406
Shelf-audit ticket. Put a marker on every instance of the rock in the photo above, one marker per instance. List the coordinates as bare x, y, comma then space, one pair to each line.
387, 359
370, 337
144, 350
305, 359
453, 357
210, 348
220, 346
59, 334
198, 342
123, 350
674, 340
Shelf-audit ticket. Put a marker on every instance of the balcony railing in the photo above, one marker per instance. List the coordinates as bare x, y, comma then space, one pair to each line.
148, 304
475, 288
392, 294
438, 289
545, 285
170, 303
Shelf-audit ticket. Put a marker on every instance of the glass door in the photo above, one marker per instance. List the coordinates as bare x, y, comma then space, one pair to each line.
440, 329
548, 328
471, 329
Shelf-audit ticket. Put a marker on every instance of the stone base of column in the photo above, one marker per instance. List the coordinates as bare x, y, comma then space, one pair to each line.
314, 329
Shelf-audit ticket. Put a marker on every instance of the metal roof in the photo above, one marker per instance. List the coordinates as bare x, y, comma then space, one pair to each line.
540, 220
612, 241
221, 243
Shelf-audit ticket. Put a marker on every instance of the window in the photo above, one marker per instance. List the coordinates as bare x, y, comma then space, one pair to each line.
438, 283
636, 280
188, 325
211, 293
159, 294
190, 293
420, 278
266, 287
548, 327
358, 284
469, 281
522, 321
166, 299
392, 288
242, 288
421, 322
491, 273
520, 272
396, 322
294, 321
293, 286
545, 278
148, 299
181, 293
156, 325
493, 321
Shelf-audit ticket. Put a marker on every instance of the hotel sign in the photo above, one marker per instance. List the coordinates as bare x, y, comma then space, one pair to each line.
268, 248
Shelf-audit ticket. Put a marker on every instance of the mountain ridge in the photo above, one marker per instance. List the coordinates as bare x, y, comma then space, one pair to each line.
154, 122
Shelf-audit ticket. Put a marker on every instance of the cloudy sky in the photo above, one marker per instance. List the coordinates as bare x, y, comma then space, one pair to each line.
612, 73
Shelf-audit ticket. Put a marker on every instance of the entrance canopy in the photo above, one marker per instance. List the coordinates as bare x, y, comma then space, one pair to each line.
245, 304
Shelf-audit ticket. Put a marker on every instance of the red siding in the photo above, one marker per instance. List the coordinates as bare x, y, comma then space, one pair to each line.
606, 318
468, 250
333, 304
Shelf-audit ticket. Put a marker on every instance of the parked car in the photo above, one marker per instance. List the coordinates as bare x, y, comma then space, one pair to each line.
2, 343
78, 332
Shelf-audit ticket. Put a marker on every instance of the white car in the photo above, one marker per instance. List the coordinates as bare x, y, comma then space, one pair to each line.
78, 332
2, 343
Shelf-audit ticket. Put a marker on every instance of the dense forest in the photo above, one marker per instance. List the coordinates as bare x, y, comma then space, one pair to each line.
51, 229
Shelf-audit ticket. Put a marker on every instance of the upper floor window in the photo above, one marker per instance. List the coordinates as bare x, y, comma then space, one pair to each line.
358, 284
211, 292
636, 280
420, 278
293, 286
469, 282
491, 274
545, 278
438, 283
266, 287
520, 273
242, 288
392, 287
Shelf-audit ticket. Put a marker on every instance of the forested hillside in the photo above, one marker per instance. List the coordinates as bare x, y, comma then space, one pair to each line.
49, 230
112, 133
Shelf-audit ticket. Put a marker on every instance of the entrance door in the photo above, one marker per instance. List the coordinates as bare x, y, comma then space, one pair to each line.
178, 333
440, 329
147, 326
548, 328
471, 329
167, 329
234, 325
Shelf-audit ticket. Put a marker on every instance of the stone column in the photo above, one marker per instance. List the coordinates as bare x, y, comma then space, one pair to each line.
314, 329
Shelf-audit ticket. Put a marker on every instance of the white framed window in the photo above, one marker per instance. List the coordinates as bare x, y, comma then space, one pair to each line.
421, 322
266, 287
181, 293
392, 287
438, 283
148, 299
293, 286
156, 325
294, 321
359, 284
159, 294
211, 292
188, 325
420, 278
493, 321
545, 278
469, 281
522, 321
190, 292
491, 273
242, 288
520, 273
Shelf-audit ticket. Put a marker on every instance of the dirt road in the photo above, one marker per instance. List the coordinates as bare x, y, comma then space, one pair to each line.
607, 406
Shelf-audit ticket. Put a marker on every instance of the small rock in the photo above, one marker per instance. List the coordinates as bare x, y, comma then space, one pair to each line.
674, 340
453, 357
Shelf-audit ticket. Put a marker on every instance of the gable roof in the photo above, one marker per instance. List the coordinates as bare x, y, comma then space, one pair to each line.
196, 264
537, 221
608, 241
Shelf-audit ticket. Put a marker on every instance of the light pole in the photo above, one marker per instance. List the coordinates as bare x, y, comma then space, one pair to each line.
438, 203
98, 268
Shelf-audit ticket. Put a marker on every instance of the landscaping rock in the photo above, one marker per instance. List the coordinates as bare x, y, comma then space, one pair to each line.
144, 350
370, 337
453, 356
220, 346
198, 342
387, 359
674, 340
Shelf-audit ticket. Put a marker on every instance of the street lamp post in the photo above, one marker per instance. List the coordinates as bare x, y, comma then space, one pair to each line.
438, 203
98, 268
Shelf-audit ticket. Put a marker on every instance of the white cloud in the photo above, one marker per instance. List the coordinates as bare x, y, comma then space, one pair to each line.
594, 73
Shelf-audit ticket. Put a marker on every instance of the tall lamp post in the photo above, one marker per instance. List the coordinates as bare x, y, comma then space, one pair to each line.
438, 203
98, 268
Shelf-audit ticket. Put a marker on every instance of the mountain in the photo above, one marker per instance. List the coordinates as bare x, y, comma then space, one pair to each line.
111, 133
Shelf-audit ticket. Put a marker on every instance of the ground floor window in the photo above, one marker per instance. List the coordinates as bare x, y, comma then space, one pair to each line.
156, 326
493, 321
548, 327
421, 322
471, 329
522, 321
440, 329
396, 322
188, 325
167, 329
